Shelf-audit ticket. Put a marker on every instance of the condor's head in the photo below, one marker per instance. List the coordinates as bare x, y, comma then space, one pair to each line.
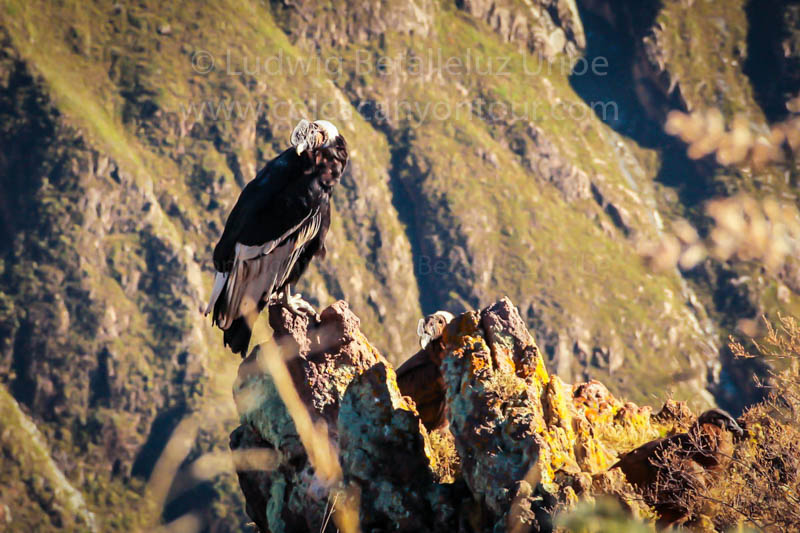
321, 142
721, 419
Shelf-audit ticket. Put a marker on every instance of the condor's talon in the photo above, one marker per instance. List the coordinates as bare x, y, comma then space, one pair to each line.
297, 305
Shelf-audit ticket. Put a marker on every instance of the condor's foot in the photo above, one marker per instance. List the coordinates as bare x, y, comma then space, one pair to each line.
295, 304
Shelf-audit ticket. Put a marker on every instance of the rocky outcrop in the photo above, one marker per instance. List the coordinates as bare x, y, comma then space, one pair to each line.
385, 450
542, 158
322, 361
546, 27
527, 443
346, 22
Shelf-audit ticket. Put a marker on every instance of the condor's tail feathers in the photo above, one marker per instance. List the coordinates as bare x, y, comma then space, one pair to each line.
237, 337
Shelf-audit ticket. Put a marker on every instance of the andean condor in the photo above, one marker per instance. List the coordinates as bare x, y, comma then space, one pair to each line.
278, 224
666, 470
420, 377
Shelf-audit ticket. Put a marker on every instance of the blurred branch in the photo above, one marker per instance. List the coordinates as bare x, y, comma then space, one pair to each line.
739, 144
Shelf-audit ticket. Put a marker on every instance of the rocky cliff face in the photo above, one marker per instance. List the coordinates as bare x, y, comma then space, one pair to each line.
127, 131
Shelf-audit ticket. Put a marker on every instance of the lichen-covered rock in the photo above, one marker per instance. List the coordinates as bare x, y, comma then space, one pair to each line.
527, 443
512, 421
385, 450
256, 484
322, 359
492, 412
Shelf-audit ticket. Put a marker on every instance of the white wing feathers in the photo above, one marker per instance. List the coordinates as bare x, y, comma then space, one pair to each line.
219, 284
258, 271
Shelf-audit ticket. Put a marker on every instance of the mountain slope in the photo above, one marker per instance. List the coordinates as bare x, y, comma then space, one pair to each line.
487, 160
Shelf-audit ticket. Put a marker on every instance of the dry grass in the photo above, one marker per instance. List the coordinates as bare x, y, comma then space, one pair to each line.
763, 486
760, 487
447, 464
626, 437
506, 385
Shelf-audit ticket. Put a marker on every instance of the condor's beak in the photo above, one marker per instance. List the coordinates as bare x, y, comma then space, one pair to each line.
313, 141
424, 340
